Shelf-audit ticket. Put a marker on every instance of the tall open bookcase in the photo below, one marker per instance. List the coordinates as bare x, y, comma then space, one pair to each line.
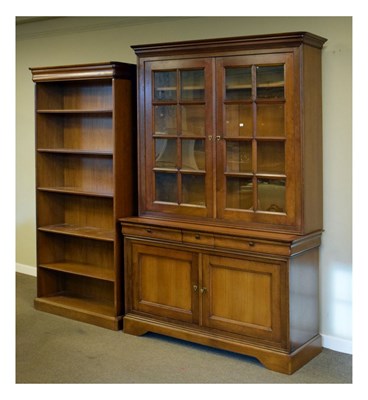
85, 163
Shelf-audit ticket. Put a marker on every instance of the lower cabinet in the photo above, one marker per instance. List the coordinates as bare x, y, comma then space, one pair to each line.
258, 304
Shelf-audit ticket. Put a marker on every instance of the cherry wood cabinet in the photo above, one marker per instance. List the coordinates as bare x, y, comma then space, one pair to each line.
85, 159
224, 250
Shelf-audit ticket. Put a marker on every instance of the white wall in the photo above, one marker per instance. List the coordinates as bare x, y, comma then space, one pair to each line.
90, 39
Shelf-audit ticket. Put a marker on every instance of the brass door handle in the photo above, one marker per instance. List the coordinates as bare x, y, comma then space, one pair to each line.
202, 290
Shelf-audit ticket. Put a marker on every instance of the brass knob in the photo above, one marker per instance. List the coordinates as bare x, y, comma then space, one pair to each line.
251, 244
203, 290
195, 288
197, 236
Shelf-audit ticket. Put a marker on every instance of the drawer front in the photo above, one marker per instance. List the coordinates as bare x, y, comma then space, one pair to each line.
199, 238
153, 232
244, 244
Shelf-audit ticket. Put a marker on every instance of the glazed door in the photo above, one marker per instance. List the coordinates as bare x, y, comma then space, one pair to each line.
164, 282
244, 296
177, 173
256, 153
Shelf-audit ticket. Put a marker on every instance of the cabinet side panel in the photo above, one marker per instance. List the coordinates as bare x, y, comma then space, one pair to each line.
141, 149
312, 139
124, 170
303, 286
125, 167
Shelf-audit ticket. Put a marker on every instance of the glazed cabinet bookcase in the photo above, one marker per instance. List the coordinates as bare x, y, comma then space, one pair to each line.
224, 250
232, 139
85, 147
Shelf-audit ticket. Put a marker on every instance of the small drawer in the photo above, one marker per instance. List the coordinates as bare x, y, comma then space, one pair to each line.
205, 239
245, 244
152, 232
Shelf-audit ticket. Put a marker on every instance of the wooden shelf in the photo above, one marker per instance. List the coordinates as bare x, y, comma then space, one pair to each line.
80, 231
77, 151
173, 88
80, 309
261, 85
76, 111
88, 270
89, 305
74, 190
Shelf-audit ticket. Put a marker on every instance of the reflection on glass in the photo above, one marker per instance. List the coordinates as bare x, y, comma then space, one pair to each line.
193, 189
239, 193
238, 83
238, 156
271, 195
270, 120
166, 187
165, 120
271, 157
270, 81
165, 153
192, 154
193, 120
165, 86
238, 120
192, 85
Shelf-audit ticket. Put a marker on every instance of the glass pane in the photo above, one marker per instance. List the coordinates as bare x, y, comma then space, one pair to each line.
271, 195
165, 120
270, 81
238, 120
238, 156
193, 120
192, 154
271, 157
193, 189
166, 187
192, 85
238, 83
270, 120
165, 153
239, 193
165, 86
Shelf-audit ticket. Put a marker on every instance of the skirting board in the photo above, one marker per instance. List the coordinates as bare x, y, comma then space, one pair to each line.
329, 342
337, 344
26, 269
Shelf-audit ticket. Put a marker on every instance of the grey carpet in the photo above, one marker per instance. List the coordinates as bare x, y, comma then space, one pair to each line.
52, 349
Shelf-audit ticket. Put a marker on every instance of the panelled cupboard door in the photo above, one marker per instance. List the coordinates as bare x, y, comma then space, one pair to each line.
164, 282
244, 296
256, 147
177, 178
